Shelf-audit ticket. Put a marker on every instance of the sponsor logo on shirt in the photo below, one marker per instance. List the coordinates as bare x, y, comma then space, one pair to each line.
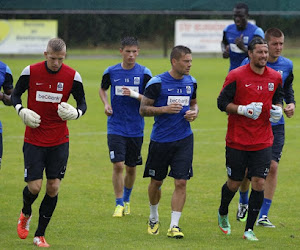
42, 96
248, 85
271, 86
116, 80
119, 90
246, 39
136, 80
183, 100
60, 86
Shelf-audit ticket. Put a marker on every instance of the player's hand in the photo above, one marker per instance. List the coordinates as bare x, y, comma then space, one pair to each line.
108, 110
252, 110
225, 51
28, 116
240, 43
190, 115
68, 112
289, 110
130, 92
275, 113
173, 108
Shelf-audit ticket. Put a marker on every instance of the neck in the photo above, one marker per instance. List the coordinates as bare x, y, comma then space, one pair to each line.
257, 70
175, 74
127, 66
272, 59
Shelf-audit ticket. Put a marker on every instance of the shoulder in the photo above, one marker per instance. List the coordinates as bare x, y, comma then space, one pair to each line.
109, 69
191, 79
229, 27
26, 70
143, 69
273, 73
154, 80
286, 61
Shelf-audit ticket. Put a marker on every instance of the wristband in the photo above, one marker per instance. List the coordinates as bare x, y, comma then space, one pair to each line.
240, 109
134, 94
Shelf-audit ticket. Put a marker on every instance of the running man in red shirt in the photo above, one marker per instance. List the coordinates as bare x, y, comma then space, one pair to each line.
46, 142
252, 96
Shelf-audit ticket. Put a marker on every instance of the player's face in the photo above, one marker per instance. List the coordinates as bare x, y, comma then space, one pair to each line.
54, 59
183, 65
259, 56
240, 18
275, 46
129, 54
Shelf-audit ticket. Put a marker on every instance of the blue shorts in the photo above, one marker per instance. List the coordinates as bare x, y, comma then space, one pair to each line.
52, 159
278, 132
257, 162
127, 149
178, 155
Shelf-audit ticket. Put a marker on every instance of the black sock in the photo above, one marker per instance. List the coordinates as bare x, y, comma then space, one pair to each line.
255, 202
28, 199
226, 198
46, 210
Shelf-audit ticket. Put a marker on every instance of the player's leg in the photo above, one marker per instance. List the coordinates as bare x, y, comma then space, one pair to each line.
258, 168
236, 161
117, 152
157, 168
132, 158
33, 157
242, 211
271, 180
1, 145
56, 166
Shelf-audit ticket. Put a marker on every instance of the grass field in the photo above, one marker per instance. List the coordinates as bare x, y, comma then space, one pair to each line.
83, 216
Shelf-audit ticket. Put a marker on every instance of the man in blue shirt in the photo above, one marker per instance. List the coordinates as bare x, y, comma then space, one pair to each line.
171, 98
6, 83
237, 36
125, 126
275, 39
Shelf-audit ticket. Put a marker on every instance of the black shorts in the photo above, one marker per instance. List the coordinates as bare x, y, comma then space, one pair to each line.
127, 149
1, 147
257, 162
278, 132
178, 155
52, 159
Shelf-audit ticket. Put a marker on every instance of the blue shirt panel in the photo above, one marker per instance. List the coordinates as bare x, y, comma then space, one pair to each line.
284, 66
126, 119
3, 70
231, 33
171, 127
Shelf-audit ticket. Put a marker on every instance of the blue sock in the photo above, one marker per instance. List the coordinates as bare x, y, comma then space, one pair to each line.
119, 201
126, 194
265, 207
244, 197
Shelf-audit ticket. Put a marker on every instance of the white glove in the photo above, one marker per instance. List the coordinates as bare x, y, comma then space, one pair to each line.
252, 110
275, 113
29, 117
68, 112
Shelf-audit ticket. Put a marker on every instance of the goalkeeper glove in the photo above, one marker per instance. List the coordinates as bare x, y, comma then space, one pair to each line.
68, 112
29, 117
252, 110
275, 113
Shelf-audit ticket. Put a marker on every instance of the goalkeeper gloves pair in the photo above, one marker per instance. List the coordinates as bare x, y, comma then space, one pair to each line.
253, 111
33, 120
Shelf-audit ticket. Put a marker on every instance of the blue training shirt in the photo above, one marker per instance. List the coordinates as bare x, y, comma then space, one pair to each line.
231, 32
285, 67
4, 69
164, 89
126, 119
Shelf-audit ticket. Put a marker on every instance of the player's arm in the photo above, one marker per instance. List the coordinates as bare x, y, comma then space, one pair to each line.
105, 83
225, 46
289, 96
65, 110
151, 93
129, 92
28, 116
7, 88
192, 113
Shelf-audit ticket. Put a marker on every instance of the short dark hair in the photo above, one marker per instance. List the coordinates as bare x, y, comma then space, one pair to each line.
242, 6
129, 41
273, 32
178, 51
56, 44
254, 41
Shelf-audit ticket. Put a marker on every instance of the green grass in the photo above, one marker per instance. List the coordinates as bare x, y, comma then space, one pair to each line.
83, 217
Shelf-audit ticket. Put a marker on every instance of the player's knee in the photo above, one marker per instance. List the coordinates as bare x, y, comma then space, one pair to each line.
180, 184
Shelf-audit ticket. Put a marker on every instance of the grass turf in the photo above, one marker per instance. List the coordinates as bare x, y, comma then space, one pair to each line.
83, 216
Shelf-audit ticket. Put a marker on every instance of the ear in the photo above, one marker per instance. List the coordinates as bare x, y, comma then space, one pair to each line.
45, 54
